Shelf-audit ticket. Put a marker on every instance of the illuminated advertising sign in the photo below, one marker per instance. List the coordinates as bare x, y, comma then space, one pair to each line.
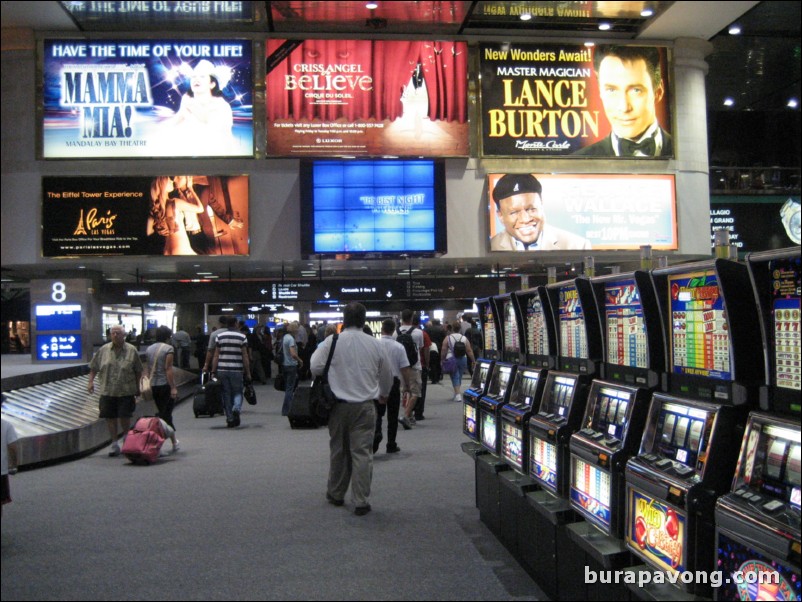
543, 462
161, 215
469, 419
147, 98
757, 576
656, 531
566, 100
367, 98
562, 212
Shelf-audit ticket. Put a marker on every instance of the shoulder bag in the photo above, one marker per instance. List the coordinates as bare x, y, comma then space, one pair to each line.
321, 398
449, 363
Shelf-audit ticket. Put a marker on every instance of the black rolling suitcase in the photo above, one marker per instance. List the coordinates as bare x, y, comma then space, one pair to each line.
300, 414
208, 399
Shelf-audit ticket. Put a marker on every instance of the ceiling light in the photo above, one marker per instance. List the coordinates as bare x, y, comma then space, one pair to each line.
793, 103
605, 26
590, 44
526, 17
728, 102
647, 12
372, 5
734, 30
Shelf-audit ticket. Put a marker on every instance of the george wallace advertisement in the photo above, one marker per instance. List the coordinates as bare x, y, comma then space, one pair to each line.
152, 215
367, 98
147, 98
547, 100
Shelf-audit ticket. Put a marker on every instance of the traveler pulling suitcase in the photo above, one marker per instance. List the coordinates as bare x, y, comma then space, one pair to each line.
144, 442
208, 399
300, 414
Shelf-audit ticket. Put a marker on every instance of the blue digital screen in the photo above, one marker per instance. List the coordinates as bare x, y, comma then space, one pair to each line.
58, 317
386, 206
58, 347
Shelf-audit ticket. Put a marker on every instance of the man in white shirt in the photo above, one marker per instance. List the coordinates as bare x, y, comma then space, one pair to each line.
359, 375
413, 388
399, 364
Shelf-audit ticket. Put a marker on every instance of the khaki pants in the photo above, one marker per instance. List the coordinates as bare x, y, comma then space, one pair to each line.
351, 428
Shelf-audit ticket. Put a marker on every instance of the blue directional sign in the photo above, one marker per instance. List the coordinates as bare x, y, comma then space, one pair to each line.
58, 317
58, 347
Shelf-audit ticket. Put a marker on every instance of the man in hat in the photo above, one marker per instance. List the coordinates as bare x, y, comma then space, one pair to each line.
519, 206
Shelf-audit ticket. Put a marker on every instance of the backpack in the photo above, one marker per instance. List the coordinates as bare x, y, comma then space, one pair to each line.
459, 348
405, 338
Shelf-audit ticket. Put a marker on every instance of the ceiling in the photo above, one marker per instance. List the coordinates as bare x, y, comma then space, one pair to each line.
760, 69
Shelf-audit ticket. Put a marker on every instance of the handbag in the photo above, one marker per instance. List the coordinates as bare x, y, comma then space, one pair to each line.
321, 398
250, 394
279, 383
449, 364
145, 388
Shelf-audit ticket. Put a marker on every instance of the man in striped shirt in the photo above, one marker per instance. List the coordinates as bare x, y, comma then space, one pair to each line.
230, 363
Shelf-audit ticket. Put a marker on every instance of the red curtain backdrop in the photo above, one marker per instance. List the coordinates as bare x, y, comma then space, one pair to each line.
390, 64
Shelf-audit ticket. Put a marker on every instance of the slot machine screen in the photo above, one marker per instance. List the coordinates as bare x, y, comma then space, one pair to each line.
469, 421
537, 335
608, 411
543, 461
626, 329
479, 377
489, 432
512, 344
573, 334
785, 276
590, 488
734, 558
524, 387
499, 381
770, 462
683, 434
700, 340
557, 398
489, 327
512, 444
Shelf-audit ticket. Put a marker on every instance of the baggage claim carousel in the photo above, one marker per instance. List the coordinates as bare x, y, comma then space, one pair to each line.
57, 419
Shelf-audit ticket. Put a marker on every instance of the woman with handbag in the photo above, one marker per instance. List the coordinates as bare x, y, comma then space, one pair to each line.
162, 380
455, 353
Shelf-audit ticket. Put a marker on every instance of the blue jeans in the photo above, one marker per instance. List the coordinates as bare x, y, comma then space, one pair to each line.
232, 383
462, 367
290, 380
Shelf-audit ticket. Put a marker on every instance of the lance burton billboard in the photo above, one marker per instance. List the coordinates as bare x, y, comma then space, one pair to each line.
160, 215
134, 98
367, 98
558, 101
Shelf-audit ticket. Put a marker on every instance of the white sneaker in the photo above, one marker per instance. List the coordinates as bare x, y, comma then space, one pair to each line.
177, 446
458, 397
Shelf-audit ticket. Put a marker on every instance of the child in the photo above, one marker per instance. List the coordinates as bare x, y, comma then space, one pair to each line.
8, 461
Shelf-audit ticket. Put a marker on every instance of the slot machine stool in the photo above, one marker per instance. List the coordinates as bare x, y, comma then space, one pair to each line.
543, 543
512, 505
488, 468
594, 551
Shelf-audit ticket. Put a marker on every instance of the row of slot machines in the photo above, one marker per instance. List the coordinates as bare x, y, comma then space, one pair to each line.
664, 406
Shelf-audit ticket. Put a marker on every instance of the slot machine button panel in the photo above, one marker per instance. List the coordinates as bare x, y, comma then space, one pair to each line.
684, 471
773, 506
664, 464
650, 457
612, 442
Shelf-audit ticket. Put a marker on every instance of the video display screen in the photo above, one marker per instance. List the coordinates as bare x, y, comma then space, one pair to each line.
543, 461
489, 327
512, 444
785, 276
626, 330
700, 339
683, 434
771, 461
558, 395
58, 317
499, 381
537, 334
608, 411
511, 341
489, 431
389, 206
751, 568
147, 98
590, 489
573, 334
481, 371
469, 421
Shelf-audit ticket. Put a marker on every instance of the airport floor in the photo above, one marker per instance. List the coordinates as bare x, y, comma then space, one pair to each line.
240, 514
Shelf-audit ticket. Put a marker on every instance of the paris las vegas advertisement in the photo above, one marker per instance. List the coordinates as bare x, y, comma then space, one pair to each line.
549, 100
147, 98
152, 215
367, 98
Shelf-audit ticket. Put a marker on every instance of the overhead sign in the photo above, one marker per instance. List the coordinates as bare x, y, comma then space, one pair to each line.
756, 223
58, 317
52, 347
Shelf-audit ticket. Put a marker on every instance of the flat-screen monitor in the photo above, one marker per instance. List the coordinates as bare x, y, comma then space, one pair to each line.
537, 333
700, 339
770, 461
573, 332
627, 344
512, 444
590, 489
512, 344
58, 317
558, 395
373, 208
681, 434
607, 410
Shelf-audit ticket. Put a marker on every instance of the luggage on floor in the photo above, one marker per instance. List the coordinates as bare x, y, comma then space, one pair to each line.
144, 442
208, 399
301, 414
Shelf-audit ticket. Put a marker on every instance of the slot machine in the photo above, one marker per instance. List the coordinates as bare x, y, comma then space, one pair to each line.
693, 430
758, 523
483, 367
616, 409
491, 403
512, 348
565, 391
491, 328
